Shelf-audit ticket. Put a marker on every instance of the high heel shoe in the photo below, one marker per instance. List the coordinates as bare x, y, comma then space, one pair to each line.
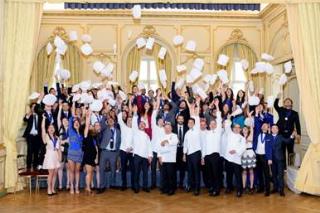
71, 191
77, 191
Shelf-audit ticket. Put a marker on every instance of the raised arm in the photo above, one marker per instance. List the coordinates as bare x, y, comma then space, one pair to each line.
135, 118
87, 125
43, 128
59, 115
276, 103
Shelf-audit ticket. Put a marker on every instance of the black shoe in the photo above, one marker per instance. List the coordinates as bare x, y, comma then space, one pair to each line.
153, 187
124, 188
215, 194
267, 194
259, 190
251, 191
239, 194
136, 191
146, 190
227, 191
274, 191
282, 194
170, 193
187, 189
196, 193
50, 194
100, 191
181, 186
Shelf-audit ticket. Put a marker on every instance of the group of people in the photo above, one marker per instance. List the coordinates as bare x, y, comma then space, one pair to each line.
219, 141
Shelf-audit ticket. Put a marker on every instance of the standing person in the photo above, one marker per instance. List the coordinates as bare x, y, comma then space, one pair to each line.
276, 158
90, 149
109, 146
210, 153
126, 149
180, 129
32, 135
288, 122
167, 158
142, 152
192, 150
236, 145
52, 157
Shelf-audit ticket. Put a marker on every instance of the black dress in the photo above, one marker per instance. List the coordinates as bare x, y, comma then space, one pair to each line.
89, 150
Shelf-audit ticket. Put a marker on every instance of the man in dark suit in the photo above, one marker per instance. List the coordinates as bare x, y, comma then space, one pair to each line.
275, 156
109, 146
180, 129
32, 135
288, 122
65, 112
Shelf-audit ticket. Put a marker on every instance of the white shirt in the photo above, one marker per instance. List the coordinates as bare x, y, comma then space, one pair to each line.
157, 131
126, 134
192, 142
260, 150
141, 141
34, 130
95, 118
114, 140
235, 142
211, 144
168, 153
223, 143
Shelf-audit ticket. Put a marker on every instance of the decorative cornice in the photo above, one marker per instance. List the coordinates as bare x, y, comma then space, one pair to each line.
236, 36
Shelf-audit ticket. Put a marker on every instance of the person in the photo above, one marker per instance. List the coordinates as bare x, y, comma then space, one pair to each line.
210, 152
288, 122
236, 145
33, 138
109, 152
275, 157
259, 146
192, 150
167, 158
52, 157
248, 159
142, 152
126, 148
90, 149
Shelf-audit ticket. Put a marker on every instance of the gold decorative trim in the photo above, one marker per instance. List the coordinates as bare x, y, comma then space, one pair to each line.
236, 36
61, 32
2, 146
148, 31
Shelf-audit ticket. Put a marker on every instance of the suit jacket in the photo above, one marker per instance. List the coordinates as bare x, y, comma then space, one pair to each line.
176, 131
288, 120
171, 115
267, 140
274, 149
106, 135
29, 122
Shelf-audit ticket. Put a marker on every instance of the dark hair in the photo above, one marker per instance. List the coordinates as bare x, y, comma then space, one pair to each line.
240, 100
288, 99
51, 89
275, 125
192, 119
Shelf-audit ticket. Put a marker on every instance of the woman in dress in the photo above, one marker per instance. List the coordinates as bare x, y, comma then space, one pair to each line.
248, 160
90, 149
52, 157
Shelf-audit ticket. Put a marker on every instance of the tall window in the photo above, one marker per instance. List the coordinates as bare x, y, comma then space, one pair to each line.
238, 77
148, 73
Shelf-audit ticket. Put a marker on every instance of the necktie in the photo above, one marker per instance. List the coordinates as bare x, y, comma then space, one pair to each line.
35, 121
180, 136
111, 140
262, 138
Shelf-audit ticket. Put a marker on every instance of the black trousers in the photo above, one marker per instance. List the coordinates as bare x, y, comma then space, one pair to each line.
212, 163
233, 169
168, 177
289, 148
194, 167
154, 164
126, 164
263, 173
33, 149
140, 164
277, 174
180, 166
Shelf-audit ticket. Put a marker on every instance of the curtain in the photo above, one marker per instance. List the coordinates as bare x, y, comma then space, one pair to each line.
72, 61
21, 30
1, 67
43, 68
304, 32
133, 61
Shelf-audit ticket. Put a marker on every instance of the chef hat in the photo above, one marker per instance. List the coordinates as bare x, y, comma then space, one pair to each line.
133, 76
283, 79
194, 88
86, 49
112, 102
122, 95
211, 79
110, 67
205, 86
97, 85
223, 60
261, 91
270, 101
86, 38
162, 53
236, 112
141, 42
254, 71
85, 98
251, 86
149, 44
266, 57
102, 94
162, 75
248, 122
136, 11
201, 93
245, 64
49, 48
49, 99
98, 66
253, 100
269, 68
75, 88
58, 42
178, 40
73, 35
223, 76
198, 63
191, 46
96, 106
260, 66
76, 97
193, 75
106, 72
85, 85
64, 74
179, 84
287, 67
181, 68
34, 95
141, 86
61, 50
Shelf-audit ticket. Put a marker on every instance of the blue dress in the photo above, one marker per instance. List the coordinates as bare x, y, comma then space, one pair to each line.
75, 152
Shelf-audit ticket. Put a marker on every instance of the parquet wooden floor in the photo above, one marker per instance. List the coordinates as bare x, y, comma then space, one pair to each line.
117, 201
